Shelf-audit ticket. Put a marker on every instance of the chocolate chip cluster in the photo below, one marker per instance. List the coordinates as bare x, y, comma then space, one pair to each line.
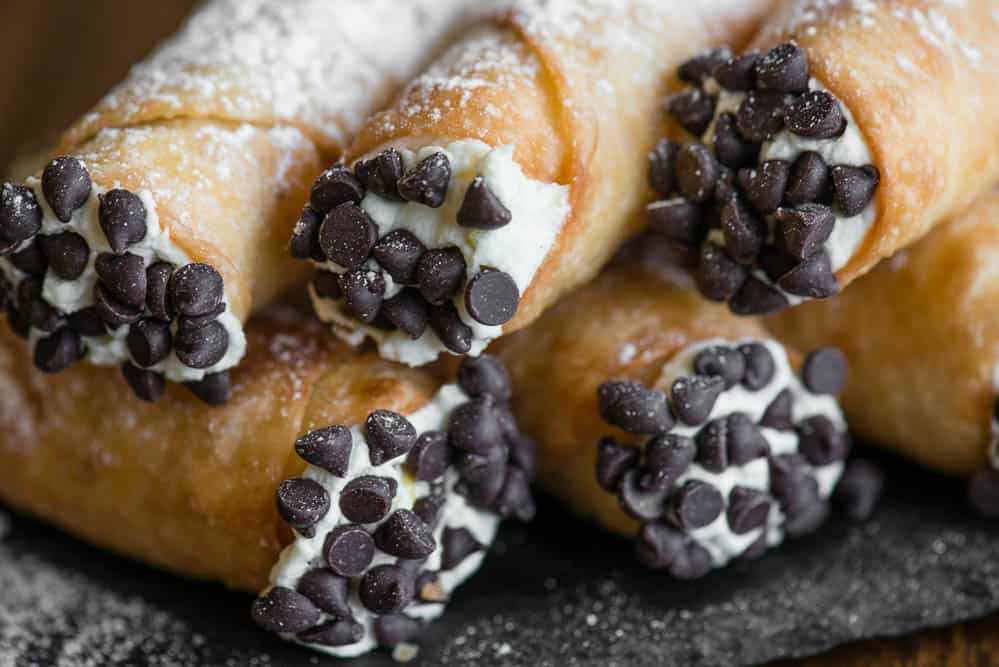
334, 227
652, 481
482, 449
162, 307
760, 225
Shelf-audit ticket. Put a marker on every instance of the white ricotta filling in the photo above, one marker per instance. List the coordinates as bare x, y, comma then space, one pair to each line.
69, 296
304, 552
538, 212
717, 537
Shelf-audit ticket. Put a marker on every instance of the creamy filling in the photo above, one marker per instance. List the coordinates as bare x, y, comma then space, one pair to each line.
305, 552
538, 211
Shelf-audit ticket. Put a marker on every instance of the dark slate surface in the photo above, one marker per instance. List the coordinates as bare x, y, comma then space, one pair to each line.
554, 593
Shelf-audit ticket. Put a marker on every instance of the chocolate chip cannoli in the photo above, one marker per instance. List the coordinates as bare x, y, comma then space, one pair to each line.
503, 176
355, 494
160, 225
922, 337
715, 445
845, 132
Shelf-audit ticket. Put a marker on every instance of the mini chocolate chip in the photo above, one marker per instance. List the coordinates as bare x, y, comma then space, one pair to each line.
695, 505
859, 489
482, 476
692, 563
201, 347
667, 456
327, 285
31, 259
399, 252
744, 440
335, 186
660, 169
696, 172
146, 385
190, 323
791, 483
302, 503
124, 276
367, 499
326, 590
695, 396
492, 297
784, 68
760, 116
440, 274
523, 453
405, 535
194, 290
213, 388
778, 413
755, 297
634, 408
122, 217
429, 458
67, 254
407, 311
428, 181
983, 493
678, 219
718, 276
474, 427
363, 291
722, 361
395, 629
35, 310
328, 448
515, 499
613, 461
744, 232
348, 235
283, 610
389, 435
304, 241
148, 342
338, 632
484, 374
693, 110
454, 334
764, 185
816, 115
381, 173
759, 366
87, 322
748, 509
348, 549
821, 442
738, 73
114, 312
775, 262
812, 278
458, 544
20, 214
809, 180
157, 278
58, 351
725, 189
803, 229
641, 502
66, 185
428, 508
853, 187
695, 70
658, 545
807, 520
712, 446
386, 589
481, 209
732, 150
824, 371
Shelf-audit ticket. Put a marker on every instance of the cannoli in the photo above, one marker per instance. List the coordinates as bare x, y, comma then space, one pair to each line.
844, 133
382, 488
160, 227
714, 448
922, 338
502, 177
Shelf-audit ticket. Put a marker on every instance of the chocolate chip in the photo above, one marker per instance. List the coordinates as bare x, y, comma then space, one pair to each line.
213, 388
824, 371
87, 322
148, 342
775, 262
428, 181
732, 150
367, 499
328, 448
31, 259
363, 291
660, 169
58, 351
721, 361
820, 441
523, 453
20, 214
760, 116
778, 413
748, 509
712, 446
348, 549
813, 278
304, 241
407, 311
327, 285
428, 508
759, 366
678, 219
744, 440
744, 232
146, 385
440, 274
755, 297
405, 535
334, 187
792, 484
853, 187
67, 254
157, 278
613, 461
515, 499
492, 297
395, 629
481, 209
35, 310
302, 503
667, 456
859, 489
327, 591
809, 180
66, 186
389, 435
695, 396
18, 325
718, 276
348, 235
983, 493
695, 70
634, 408
803, 229
429, 458
122, 217
190, 323
695, 505
124, 276
784, 68
474, 427
658, 544
459, 544
484, 374
454, 334
381, 173
386, 589
738, 73
816, 115
693, 562
696, 172
693, 110
338, 632
399, 252
807, 520
195, 290
201, 347
283, 610
645, 503
764, 185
